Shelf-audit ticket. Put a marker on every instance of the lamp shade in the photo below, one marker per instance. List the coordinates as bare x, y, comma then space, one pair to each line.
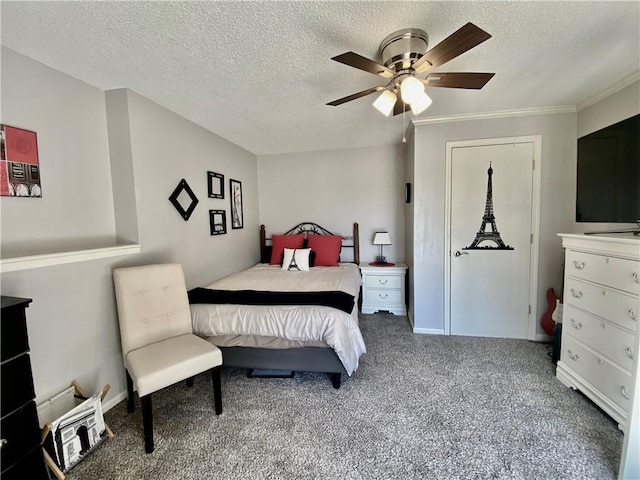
411, 89
385, 102
420, 103
381, 238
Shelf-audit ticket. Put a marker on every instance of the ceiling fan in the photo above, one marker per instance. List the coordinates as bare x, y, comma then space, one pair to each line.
405, 58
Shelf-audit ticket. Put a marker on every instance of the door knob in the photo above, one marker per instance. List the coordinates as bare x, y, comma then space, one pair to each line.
457, 253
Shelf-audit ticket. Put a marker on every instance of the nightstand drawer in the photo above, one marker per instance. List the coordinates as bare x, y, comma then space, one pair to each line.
383, 281
617, 307
383, 296
608, 339
20, 432
16, 384
615, 272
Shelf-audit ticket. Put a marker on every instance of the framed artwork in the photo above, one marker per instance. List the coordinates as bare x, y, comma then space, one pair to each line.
183, 199
215, 185
235, 188
218, 222
19, 163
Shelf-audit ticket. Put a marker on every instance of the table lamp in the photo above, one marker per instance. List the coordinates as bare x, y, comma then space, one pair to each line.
381, 238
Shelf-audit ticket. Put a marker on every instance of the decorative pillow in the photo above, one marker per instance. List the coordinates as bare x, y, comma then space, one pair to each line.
280, 242
327, 249
296, 259
312, 258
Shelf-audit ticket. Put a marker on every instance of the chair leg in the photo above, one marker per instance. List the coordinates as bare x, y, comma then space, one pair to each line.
217, 388
190, 382
130, 405
147, 423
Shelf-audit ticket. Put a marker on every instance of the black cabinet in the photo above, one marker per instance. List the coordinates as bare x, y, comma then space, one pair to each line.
20, 452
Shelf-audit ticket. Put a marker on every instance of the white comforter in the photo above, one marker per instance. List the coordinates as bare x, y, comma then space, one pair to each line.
336, 328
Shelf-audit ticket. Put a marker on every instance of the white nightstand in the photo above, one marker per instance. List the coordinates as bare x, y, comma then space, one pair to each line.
383, 288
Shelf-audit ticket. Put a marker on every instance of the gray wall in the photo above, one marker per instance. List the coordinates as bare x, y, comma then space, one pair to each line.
335, 189
72, 322
556, 202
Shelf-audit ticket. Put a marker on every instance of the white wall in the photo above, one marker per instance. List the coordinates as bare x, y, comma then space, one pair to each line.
557, 202
335, 189
72, 322
165, 148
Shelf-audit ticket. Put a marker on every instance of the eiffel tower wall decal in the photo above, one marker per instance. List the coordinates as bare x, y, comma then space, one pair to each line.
488, 220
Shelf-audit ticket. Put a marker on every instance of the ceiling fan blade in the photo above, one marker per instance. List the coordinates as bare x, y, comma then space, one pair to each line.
358, 61
400, 106
363, 93
455, 44
458, 80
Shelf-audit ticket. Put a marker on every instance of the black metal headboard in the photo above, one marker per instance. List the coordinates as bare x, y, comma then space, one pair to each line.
315, 229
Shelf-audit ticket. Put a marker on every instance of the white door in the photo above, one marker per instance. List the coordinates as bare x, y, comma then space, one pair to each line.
490, 239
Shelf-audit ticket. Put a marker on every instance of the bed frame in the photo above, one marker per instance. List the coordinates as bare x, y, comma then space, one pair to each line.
303, 359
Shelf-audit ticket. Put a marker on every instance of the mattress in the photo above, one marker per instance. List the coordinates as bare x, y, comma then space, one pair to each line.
274, 326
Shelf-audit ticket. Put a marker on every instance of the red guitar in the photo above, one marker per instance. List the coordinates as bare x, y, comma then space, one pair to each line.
548, 324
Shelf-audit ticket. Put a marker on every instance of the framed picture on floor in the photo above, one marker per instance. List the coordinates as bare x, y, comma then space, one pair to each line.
235, 188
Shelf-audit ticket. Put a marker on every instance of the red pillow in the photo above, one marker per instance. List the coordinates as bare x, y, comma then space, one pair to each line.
327, 249
280, 242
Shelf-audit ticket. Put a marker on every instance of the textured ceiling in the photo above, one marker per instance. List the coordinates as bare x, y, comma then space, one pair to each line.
259, 73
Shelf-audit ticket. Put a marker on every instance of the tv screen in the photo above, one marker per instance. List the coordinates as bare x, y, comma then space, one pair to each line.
608, 180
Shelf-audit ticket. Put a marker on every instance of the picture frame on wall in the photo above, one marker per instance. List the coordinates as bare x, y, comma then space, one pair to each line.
218, 222
19, 163
235, 194
215, 185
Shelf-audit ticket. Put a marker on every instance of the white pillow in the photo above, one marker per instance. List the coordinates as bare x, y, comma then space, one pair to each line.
296, 259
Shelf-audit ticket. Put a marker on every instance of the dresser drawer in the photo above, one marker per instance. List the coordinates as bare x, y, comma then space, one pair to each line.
383, 296
13, 334
615, 272
30, 467
383, 281
604, 337
20, 432
610, 380
619, 308
16, 384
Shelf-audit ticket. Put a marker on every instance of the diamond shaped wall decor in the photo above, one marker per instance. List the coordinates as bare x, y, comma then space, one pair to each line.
185, 208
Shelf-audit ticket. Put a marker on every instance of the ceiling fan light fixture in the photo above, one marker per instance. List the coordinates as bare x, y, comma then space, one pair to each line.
411, 89
420, 103
385, 102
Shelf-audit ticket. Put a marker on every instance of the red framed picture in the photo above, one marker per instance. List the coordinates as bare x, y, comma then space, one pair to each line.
19, 164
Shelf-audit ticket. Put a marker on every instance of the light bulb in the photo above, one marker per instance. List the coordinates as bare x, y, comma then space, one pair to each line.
420, 103
411, 88
385, 102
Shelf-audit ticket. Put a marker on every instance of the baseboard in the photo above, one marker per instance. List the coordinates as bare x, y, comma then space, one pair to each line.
112, 402
429, 331
543, 338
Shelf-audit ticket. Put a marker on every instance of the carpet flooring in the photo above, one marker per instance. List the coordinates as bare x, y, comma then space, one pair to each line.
419, 407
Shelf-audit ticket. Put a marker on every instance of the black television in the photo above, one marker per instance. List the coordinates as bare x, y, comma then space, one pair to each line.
608, 176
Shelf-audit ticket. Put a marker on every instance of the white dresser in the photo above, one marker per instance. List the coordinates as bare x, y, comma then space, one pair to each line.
600, 317
383, 288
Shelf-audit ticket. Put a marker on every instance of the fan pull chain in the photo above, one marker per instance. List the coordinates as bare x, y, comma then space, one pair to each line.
404, 129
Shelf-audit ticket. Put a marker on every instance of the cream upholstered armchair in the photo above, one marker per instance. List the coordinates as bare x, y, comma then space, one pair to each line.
158, 343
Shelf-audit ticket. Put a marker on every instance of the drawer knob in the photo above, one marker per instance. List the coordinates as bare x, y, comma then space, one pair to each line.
574, 324
624, 392
635, 277
382, 282
630, 353
632, 314
573, 356
579, 266
576, 294
382, 295
3, 442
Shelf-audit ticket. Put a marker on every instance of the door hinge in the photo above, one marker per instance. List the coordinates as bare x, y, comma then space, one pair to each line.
531, 238
529, 309
533, 164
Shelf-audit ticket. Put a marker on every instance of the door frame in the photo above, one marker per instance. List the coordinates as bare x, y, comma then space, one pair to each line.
535, 222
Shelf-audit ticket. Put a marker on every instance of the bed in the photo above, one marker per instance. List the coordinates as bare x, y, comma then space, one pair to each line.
298, 318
